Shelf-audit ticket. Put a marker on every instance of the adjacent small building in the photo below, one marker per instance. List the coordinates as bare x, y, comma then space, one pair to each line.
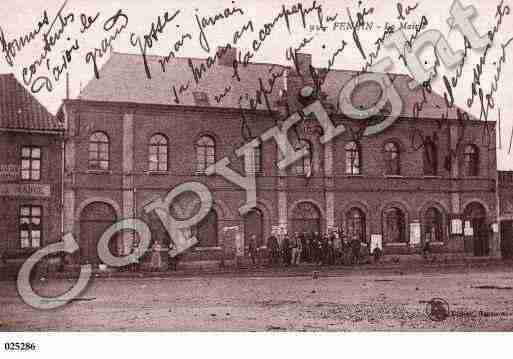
505, 204
30, 172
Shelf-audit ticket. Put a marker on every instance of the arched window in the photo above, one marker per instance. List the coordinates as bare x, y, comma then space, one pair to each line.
99, 151
394, 230
355, 224
471, 160
392, 161
157, 153
303, 167
353, 164
205, 153
430, 157
433, 223
257, 164
475, 221
306, 217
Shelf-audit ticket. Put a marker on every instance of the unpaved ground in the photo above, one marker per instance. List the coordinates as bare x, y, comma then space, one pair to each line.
347, 302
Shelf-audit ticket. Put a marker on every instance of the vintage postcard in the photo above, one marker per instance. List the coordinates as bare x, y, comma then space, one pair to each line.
255, 166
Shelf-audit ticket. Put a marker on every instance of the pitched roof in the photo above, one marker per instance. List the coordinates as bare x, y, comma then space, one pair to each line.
19, 110
123, 79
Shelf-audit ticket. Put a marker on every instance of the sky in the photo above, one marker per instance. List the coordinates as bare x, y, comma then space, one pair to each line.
18, 19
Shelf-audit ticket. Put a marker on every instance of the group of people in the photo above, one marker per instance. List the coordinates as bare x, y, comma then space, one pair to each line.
313, 247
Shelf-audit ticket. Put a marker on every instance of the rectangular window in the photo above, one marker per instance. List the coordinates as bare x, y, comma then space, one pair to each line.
30, 224
30, 163
257, 162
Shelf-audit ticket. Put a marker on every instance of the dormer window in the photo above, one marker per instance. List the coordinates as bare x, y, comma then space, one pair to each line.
200, 98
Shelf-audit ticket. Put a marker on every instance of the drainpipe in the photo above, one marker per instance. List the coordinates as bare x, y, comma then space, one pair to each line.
498, 213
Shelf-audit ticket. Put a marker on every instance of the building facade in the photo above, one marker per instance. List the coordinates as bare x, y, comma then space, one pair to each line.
430, 176
31, 141
505, 204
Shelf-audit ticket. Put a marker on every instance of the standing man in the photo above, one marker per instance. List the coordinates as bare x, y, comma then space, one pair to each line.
355, 251
315, 248
285, 245
295, 246
253, 250
136, 252
308, 250
274, 250
304, 249
156, 262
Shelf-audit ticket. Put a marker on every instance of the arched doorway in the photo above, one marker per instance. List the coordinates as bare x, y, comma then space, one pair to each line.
432, 226
394, 225
507, 239
206, 230
254, 225
306, 217
355, 224
95, 218
475, 215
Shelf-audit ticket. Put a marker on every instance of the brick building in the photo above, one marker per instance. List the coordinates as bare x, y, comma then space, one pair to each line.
129, 140
505, 204
30, 172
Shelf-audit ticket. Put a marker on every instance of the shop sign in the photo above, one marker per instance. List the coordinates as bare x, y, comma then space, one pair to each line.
24, 190
9, 171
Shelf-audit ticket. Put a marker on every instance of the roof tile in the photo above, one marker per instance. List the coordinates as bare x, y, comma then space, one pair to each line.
19, 110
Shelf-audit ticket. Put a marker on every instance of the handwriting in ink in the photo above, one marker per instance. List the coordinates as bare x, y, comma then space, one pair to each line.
476, 88
151, 37
406, 12
360, 21
118, 22
290, 53
181, 90
51, 38
11, 48
204, 22
87, 21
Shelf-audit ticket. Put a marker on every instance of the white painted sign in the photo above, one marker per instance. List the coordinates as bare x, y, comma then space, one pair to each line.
239, 245
376, 242
9, 171
468, 231
24, 190
232, 228
456, 226
414, 233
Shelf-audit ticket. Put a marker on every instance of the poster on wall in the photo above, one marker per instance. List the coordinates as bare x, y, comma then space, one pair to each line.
414, 233
376, 242
468, 230
239, 244
456, 226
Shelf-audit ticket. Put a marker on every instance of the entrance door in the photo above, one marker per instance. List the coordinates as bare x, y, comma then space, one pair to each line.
476, 214
94, 220
306, 218
507, 239
254, 225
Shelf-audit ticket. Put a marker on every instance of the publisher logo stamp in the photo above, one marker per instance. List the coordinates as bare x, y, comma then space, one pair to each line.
437, 309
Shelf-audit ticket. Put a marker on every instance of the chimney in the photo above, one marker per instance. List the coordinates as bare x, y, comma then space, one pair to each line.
226, 55
302, 63
298, 77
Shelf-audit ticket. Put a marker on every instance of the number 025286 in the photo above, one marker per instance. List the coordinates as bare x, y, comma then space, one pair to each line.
13, 346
